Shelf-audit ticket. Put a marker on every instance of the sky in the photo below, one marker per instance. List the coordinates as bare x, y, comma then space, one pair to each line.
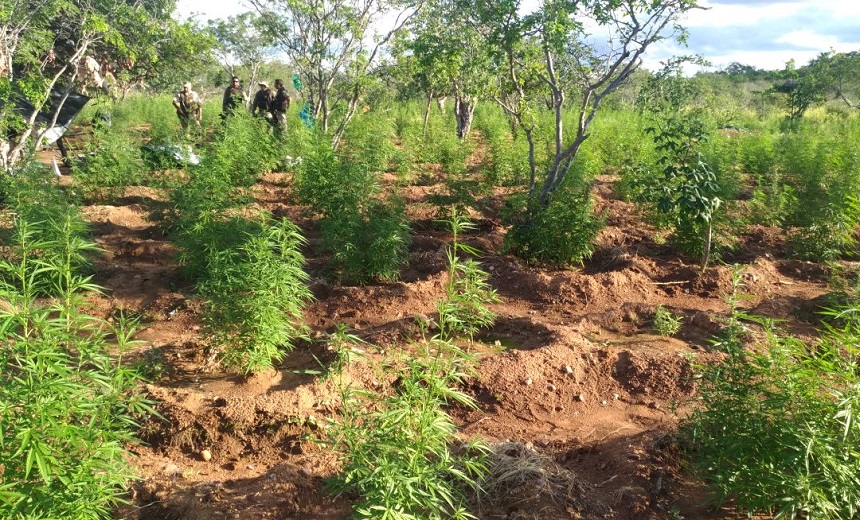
762, 33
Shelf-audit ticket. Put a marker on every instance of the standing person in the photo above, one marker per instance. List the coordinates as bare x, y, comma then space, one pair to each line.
280, 105
233, 98
188, 106
262, 102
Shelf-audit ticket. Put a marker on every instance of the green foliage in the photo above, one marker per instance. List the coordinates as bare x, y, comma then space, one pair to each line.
113, 162
462, 191
244, 150
330, 184
776, 429
562, 231
369, 241
801, 90
48, 248
255, 289
687, 193
369, 140
620, 140
248, 267
665, 323
367, 235
467, 293
821, 166
397, 450
67, 408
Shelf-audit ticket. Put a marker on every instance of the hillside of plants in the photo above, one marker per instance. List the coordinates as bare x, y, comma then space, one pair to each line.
486, 270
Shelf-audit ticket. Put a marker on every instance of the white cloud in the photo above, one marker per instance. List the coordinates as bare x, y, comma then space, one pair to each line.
723, 15
808, 39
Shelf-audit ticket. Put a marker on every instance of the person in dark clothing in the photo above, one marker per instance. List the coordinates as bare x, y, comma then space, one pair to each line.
280, 105
262, 102
234, 97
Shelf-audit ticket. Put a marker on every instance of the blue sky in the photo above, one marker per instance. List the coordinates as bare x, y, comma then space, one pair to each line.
766, 34
762, 33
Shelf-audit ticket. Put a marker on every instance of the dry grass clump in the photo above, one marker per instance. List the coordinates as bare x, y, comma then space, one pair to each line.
524, 484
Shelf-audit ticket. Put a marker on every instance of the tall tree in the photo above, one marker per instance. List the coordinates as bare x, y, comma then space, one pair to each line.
581, 49
839, 72
451, 58
242, 42
335, 44
802, 88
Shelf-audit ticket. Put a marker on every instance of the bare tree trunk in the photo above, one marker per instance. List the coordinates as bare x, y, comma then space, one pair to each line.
440, 103
427, 113
463, 111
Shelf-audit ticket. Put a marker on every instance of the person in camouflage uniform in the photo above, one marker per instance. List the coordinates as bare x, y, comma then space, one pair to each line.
188, 106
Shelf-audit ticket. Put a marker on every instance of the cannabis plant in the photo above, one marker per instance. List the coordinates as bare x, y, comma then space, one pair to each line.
560, 232
369, 241
666, 323
775, 428
256, 290
399, 451
113, 161
68, 406
467, 293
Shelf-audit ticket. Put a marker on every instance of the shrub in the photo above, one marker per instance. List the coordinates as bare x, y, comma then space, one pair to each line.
559, 232
467, 293
369, 140
329, 184
369, 241
67, 408
48, 248
256, 290
243, 150
822, 167
113, 162
666, 323
775, 430
397, 450
687, 194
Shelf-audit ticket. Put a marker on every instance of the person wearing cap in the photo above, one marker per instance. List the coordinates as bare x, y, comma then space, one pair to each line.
233, 98
188, 106
262, 101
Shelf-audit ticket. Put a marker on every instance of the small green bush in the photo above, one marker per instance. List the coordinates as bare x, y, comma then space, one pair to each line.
397, 450
48, 245
561, 232
822, 165
112, 163
369, 140
68, 406
243, 149
666, 323
330, 184
369, 242
464, 309
255, 289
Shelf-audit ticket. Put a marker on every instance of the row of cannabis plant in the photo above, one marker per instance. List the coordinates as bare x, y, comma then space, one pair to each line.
69, 406
246, 264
